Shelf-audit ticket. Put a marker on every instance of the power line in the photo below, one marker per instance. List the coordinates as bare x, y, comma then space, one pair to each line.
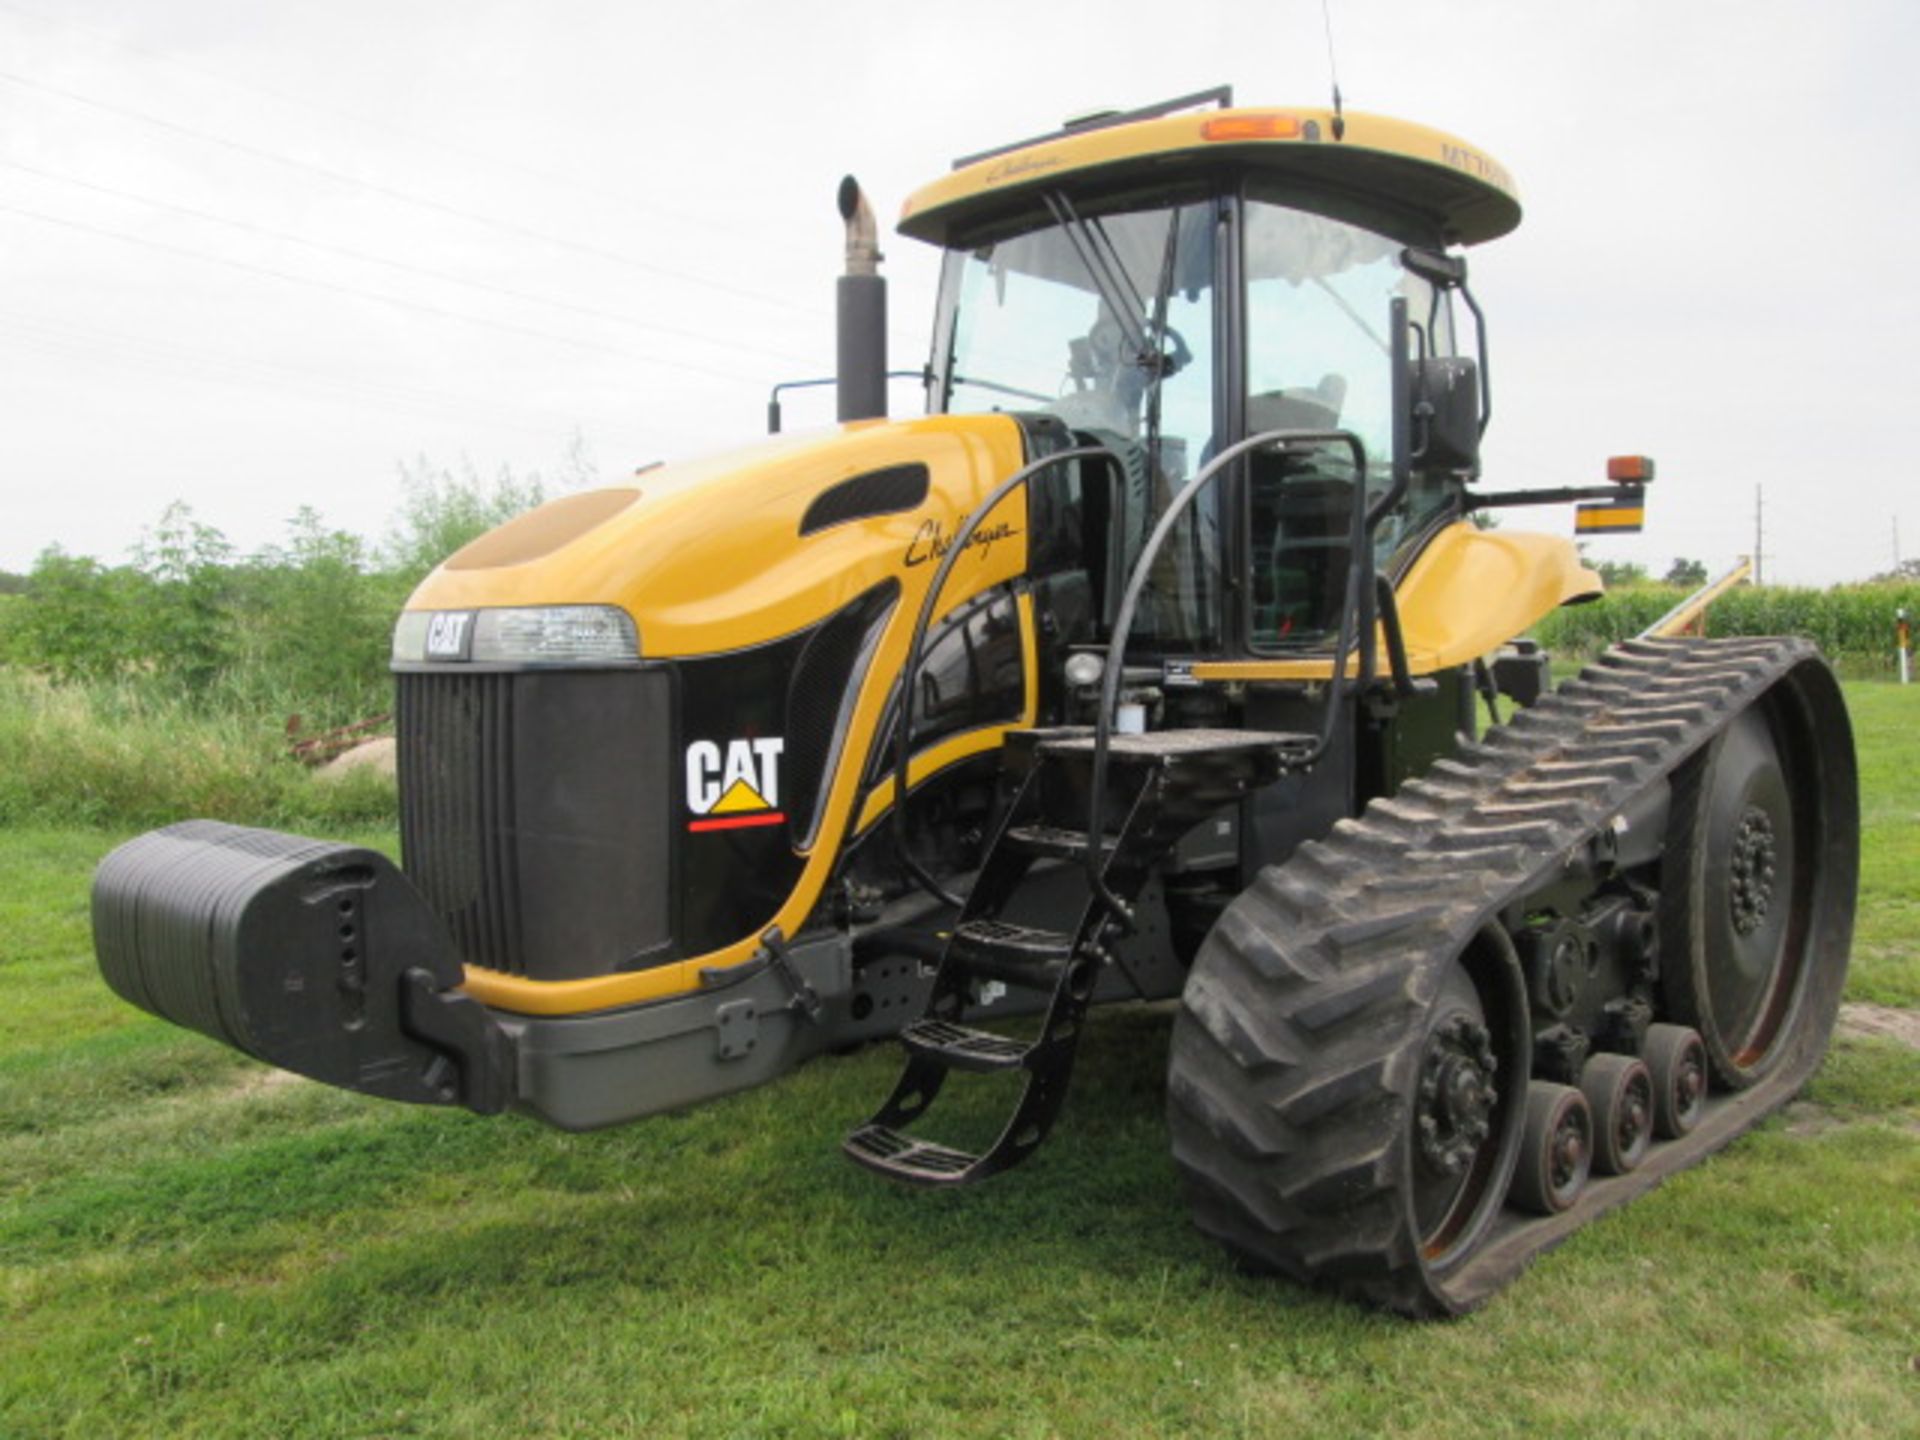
252, 369
281, 97
215, 370
413, 305
402, 265
423, 202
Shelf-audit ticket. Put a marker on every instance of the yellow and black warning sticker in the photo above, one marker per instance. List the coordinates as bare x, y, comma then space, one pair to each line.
1610, 517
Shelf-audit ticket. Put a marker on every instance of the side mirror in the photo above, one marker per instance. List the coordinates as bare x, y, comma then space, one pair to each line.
1451, 396
1446, 414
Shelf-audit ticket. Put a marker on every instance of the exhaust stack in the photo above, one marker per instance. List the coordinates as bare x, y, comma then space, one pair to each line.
861, 314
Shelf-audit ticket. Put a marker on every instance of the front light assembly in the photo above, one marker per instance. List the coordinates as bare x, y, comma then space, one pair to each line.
522, 635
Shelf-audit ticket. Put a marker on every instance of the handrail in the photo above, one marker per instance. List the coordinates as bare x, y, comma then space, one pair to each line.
1360, 566
909, 674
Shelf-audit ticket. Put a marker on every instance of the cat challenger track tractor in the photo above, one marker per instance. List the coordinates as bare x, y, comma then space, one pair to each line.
1160, 658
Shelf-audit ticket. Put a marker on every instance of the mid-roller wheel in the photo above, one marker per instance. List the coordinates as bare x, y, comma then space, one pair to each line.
1620, 1092
1678, 1063
1556, 1149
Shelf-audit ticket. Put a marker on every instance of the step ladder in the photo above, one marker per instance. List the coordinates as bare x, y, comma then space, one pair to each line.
1159, 785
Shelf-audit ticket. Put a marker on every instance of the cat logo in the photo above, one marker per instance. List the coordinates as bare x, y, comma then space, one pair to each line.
736, 787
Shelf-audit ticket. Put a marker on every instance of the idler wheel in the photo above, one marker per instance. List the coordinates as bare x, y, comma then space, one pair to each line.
1620, 1091
1556, 1149
1677, 1061
1738, 892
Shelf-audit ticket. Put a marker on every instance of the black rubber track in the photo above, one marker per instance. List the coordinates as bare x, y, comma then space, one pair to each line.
1296, 1050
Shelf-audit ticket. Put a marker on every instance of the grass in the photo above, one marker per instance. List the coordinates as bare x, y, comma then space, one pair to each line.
110, 754
190, 1245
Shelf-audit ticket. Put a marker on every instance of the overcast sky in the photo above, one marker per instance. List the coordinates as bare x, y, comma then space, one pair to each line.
255, 255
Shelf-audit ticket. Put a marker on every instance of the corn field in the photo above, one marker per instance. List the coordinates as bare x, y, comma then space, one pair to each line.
1852, 623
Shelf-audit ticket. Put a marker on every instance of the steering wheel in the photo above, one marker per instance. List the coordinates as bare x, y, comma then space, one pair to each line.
1173, 361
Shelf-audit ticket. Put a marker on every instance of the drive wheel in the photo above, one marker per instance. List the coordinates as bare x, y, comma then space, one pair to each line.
1458, 1167
1349, 1124
1737, 889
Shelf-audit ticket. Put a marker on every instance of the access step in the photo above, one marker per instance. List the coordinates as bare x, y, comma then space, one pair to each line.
962, 1048
1013, 954
901, 1157
1157, 746
1053, 842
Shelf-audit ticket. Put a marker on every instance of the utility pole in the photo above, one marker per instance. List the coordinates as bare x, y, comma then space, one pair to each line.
1896, 544
1759, 504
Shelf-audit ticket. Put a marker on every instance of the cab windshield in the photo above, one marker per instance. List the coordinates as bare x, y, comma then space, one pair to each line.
1106, 320
1079, 320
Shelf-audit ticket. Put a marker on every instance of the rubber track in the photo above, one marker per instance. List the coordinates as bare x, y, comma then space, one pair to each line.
1302, 1021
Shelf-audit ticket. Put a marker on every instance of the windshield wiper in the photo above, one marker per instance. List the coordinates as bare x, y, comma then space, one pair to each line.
1095, 264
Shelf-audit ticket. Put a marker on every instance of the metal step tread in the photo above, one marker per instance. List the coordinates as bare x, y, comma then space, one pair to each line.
964, 1048
1177, 744
1007, 940
904, 1158
1055, 842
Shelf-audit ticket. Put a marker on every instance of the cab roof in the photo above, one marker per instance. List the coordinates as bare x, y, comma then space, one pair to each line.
1464, 191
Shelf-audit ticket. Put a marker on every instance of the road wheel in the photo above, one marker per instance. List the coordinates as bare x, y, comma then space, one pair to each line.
1556, 1149
1619, 1089
1678, 1063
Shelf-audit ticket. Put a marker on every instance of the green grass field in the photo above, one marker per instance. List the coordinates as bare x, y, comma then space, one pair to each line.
193, 1245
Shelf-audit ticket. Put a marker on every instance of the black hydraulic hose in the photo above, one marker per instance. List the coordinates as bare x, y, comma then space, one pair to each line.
910, 672
1389, 607
1480, 345
1358, 531
1401, 474
1402, 402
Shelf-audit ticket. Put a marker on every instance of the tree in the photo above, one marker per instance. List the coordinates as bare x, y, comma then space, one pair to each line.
1905, 573
1691, 573
1617, 573
80, 620
184, 628
441, 510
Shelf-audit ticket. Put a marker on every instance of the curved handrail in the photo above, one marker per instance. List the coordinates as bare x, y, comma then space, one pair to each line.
909, 673
1137, 582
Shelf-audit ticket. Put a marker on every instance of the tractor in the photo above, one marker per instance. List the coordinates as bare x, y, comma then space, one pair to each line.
1160, 659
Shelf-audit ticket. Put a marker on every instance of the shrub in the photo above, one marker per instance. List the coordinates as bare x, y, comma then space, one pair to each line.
114, 754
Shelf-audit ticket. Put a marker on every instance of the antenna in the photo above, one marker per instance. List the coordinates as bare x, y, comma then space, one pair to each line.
1333, 69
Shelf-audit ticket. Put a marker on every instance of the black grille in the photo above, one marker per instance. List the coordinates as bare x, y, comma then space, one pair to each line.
534, 812
878, 492
457, 822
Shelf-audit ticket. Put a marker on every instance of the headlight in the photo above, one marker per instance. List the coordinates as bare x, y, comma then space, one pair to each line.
534, 635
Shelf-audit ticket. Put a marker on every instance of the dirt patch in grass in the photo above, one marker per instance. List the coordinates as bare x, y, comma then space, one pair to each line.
1804, 1118
1883, 1021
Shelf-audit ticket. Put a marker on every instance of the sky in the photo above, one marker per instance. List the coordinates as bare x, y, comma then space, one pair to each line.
258, 257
